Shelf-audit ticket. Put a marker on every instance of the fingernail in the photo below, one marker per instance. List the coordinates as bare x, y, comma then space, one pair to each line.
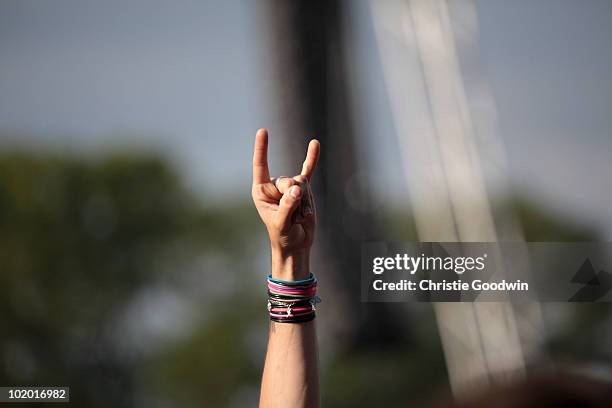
295, 191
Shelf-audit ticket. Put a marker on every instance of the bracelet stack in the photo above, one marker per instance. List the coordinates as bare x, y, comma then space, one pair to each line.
292, 301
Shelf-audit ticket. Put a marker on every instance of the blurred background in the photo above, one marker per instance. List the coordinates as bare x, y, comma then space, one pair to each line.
132, 261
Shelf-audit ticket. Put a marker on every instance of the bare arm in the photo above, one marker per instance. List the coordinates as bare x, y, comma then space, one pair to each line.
291, 375
291, 372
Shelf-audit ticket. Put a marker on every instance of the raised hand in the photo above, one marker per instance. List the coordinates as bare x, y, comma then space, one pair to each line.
286, 206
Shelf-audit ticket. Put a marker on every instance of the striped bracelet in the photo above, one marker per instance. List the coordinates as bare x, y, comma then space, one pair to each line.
292, 301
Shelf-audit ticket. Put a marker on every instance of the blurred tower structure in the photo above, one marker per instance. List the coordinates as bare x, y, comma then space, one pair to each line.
446, 125
312, 101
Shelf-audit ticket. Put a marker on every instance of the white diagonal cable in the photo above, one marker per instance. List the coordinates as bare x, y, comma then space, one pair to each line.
442, 163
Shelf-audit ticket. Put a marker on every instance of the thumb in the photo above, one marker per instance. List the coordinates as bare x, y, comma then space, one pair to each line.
287, 206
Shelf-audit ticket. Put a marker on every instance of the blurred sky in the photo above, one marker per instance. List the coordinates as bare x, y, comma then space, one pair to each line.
192, 78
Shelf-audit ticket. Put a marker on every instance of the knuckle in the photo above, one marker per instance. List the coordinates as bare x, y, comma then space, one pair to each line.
287, 201
286, 183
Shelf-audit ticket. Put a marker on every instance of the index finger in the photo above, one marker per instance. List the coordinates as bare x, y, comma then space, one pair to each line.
261, 174
311, 158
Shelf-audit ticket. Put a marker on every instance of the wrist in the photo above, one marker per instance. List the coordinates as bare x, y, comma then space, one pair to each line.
290, 266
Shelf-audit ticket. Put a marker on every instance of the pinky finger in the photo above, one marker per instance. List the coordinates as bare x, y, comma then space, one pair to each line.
312, 156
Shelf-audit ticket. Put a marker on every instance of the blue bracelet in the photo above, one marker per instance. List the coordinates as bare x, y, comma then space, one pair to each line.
310, 279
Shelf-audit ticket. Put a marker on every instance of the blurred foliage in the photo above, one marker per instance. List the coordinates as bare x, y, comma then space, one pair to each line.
82, 239
78, 240
211, 365
541, 225
397, 375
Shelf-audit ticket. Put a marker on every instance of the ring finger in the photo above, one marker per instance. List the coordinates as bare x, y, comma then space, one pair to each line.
284, 183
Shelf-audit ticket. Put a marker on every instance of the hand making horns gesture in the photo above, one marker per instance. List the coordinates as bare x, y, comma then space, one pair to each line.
286, 206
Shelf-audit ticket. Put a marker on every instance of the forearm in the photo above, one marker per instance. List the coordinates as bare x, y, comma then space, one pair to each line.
291, 376
287, 208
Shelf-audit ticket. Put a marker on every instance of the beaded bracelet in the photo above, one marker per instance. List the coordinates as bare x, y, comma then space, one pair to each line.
292, 301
